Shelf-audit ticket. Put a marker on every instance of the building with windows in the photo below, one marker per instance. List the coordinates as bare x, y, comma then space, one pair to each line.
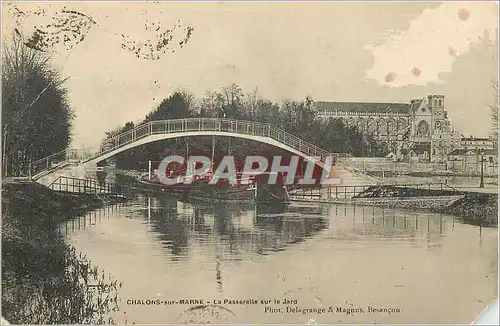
469, 161
477, 143
419, 130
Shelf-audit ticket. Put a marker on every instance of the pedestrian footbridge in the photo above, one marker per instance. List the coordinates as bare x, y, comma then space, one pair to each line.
80, 161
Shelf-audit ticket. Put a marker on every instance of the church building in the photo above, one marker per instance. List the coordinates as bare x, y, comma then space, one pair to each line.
420, 129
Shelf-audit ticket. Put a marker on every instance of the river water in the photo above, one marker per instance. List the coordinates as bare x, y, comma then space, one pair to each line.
417, 267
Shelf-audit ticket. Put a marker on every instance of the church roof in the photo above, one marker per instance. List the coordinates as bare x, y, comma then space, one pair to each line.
415, 103
363, 107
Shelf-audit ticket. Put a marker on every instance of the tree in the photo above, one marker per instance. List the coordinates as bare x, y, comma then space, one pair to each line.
36, 115
233, 100
251, 103
267, 111
177, 105
299, 118
494, 116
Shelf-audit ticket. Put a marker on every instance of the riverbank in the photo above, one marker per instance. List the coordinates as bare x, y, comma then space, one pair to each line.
384, 166
44, 280
471, 207
444, 173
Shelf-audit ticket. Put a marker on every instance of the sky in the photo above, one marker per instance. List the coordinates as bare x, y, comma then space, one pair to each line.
332, 51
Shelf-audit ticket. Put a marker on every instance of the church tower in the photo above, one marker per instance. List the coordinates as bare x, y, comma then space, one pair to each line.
444, 139
439, 120
421, 120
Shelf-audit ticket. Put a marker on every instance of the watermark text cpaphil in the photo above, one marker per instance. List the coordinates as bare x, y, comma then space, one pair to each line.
199, 166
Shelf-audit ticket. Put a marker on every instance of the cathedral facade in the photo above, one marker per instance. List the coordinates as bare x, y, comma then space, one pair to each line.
419, 129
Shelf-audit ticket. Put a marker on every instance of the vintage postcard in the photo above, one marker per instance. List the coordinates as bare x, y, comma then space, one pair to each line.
249, 162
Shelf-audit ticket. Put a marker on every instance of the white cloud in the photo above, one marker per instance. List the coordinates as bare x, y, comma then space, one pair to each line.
432, 43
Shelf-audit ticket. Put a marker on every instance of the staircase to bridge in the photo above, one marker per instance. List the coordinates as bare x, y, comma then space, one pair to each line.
78, 162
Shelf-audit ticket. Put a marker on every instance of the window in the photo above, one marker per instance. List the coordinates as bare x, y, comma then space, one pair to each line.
422, 128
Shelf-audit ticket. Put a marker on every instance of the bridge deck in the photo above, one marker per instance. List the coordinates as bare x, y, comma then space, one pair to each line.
165, 129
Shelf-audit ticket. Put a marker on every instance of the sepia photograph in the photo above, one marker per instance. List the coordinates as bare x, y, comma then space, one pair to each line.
249, 162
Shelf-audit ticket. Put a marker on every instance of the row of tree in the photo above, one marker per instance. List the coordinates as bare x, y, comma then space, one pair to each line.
36, 115
300, 118
44, 281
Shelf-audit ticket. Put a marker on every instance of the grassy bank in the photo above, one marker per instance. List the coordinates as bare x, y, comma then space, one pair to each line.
44, 280
391, 191
476, 208
473, 208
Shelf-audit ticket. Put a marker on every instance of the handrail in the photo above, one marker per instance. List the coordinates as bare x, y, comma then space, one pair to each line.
453, 188
342, 191
214, 124
88, 186
48, 157
155, 127
400, 185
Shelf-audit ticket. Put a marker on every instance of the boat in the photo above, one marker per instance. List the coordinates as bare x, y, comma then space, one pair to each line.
254, 189
251, 189
248, 188
153, 183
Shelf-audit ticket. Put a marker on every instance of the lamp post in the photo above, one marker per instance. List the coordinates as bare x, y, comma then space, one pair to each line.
395, 168
481, 183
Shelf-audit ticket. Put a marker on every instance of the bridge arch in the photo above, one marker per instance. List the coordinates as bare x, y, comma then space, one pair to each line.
170, 129
160, 137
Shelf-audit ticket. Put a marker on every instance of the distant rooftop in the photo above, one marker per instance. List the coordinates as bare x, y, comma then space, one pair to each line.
363, 107
475, 138
473, 152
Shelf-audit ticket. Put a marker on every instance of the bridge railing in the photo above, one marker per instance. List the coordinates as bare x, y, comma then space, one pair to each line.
187, 125
349, 191
88, 186
47, 163
58, 159
221, 125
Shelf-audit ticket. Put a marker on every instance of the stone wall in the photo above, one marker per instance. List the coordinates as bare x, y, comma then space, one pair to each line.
379, 164
474, 208
425, 202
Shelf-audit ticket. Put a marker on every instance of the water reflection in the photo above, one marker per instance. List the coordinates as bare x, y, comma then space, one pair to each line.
242, 230
238, 230
331, 252
89, 219
379, 226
